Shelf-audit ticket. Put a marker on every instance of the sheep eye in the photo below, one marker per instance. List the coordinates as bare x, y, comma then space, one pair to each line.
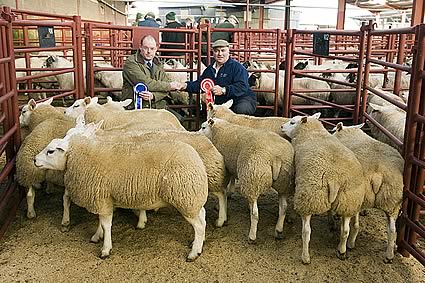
292, 122
75, 106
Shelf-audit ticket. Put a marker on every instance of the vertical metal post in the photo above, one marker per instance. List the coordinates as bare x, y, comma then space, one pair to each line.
417, 12
287, 14
340, 20
246, 16
261, 15
88, 28
289, 57
400, 60
360, 104
367, 29
78, 58
277, 78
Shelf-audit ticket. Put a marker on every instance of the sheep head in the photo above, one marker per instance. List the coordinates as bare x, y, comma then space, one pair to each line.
24, 118
53, 156
51, 61
79, 106
217, 110
289, 127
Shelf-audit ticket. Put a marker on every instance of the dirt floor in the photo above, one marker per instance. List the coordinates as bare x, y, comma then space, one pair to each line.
37, 250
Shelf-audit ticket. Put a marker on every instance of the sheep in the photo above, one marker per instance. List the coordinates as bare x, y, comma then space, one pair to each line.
265, 81
66, 80
142, 119
45, 82
34, 113
110, 79
223, 112
214, 163
328, 178
172, 64
390, 117
27, 174
383, 171
145, 176
260, 160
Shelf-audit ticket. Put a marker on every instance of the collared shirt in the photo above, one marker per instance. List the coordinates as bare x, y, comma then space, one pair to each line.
216, 68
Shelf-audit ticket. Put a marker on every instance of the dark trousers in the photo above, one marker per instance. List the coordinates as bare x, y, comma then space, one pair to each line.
244, 105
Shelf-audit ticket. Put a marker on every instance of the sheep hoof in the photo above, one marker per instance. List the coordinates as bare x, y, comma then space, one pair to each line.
252, 242
219, 224
65, 227
306, 261
94, 239
140, 227
388, 260
31, 214
192, 258
105, 255
278, 235
341, 256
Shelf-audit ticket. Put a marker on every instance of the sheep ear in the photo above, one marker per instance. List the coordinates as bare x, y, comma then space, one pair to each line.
228, 104
32, 104
316, 115
375, 107
339, 127
210, 106
304, 119
99, 124
87, 100
94, 100
47, 102
210, 122
359, 126
108, 99
126, 102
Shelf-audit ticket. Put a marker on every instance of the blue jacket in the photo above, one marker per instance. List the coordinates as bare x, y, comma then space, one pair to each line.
149, 22
232, 75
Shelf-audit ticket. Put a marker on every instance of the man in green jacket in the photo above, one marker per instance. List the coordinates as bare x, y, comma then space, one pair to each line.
144, 67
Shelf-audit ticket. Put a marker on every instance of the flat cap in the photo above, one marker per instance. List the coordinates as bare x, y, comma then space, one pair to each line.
220, 43
233, 17
171, 16
150, 15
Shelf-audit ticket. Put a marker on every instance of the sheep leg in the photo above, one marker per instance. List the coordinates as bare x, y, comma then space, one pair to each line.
392, 235
222, 208
106, 222
283, 205
198, 222
254, 221
65, 216
345, 231
306, 232
354, 232
98, 235
142, 219
30, 202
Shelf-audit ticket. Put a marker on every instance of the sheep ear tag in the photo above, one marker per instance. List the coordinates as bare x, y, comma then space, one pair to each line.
206, 86
138, 88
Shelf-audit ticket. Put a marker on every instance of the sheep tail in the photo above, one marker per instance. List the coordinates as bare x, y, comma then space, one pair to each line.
333, 189
376, 182
276, 165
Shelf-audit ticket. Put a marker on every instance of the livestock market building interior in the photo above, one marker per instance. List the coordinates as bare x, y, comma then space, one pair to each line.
354, 61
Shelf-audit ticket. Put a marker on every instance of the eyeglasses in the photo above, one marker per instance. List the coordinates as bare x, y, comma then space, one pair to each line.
145, 48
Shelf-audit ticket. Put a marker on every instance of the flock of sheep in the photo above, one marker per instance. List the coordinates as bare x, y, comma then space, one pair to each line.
106, 157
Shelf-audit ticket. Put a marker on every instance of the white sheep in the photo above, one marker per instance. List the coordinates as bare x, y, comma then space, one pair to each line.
214, 163
138, 119
261, 160
383, 171
223, 112
137, 176
29, 175
110, 79
66, 80
390, 117
328, 178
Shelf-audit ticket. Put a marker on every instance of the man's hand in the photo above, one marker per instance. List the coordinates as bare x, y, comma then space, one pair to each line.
176, 85
146, 95
217, 90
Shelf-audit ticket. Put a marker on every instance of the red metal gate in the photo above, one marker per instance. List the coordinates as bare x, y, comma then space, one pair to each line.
10, 195
411, 226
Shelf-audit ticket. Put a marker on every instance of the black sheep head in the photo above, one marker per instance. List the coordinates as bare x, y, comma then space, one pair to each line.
252, 80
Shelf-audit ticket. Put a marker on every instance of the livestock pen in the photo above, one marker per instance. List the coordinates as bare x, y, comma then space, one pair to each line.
52, 255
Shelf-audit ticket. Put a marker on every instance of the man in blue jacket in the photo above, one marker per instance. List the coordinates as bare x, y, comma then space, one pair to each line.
230, 81
149, 21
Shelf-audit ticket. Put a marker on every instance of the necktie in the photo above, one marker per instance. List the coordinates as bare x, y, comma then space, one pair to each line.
150, 67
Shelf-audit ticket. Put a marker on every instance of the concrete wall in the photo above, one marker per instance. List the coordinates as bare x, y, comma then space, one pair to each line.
87, 9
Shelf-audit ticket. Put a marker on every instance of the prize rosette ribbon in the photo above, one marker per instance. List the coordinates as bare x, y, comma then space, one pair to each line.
206, 86
138, 88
